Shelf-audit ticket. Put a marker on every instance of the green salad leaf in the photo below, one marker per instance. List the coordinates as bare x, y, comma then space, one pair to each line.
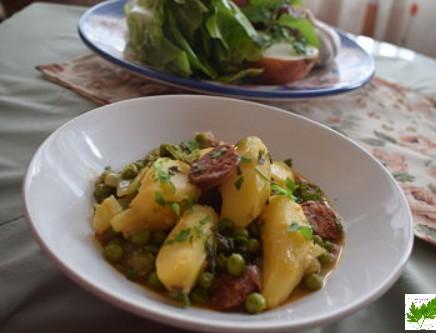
212, 39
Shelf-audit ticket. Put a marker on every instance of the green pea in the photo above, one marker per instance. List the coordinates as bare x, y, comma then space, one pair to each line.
253, 245
199, 295
154, 282
101, 192
205, 139
326, 259
141, 237
130, 171
113, 252
141, 263
112, 179
164, 150
206, 279
241, 241
318, 240
313, 282
236, 264
240, 232
158, 237
221, 261
329, 246
255, 303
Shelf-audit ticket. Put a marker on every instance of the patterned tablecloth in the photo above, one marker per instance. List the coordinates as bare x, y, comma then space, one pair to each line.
395, 124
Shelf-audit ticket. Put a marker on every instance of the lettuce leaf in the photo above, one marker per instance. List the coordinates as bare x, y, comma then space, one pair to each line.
211, 39
304, 27
145, 19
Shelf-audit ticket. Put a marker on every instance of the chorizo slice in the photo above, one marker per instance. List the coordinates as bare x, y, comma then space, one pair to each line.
230, 291
323, 220
214, 167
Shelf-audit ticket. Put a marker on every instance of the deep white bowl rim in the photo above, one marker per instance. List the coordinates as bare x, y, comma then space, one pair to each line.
178, 319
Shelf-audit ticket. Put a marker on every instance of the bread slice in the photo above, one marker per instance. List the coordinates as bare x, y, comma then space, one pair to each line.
281, 65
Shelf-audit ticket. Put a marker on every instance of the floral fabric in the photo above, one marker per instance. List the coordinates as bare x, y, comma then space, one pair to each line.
395, 124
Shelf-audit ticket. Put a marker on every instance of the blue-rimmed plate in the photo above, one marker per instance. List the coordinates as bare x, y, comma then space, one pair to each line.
103, 29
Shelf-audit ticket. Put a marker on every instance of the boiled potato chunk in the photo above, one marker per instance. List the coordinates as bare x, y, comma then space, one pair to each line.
284, 251
165, 183
104, 213
245, 194
183, 255
280, 172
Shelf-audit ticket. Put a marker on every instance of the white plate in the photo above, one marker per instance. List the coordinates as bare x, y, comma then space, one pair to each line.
376, 217
103, 29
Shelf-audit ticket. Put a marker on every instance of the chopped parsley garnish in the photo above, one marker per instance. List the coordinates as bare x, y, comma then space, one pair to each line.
161, 175
246, 159
189, 145
305, 230
287, 191
159, 198
175, 207
239, 182
197, 230
182, 236
260, 173
189, 233
307, 191
218, 152
288, 162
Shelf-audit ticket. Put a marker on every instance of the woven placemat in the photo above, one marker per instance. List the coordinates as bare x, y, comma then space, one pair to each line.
395, 124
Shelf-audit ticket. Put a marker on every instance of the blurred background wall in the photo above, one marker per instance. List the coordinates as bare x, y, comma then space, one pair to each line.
409, 23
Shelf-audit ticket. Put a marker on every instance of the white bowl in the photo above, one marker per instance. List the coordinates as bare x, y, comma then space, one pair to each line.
376, 217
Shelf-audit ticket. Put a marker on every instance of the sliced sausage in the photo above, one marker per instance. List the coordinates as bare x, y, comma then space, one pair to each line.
214, 167
230, 291
322, 219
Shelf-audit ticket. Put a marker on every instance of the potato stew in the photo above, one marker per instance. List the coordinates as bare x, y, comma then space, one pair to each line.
218, 225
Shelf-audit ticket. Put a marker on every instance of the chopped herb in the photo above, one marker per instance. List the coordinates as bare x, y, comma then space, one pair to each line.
182, 236
288, 162
175, 207
262, 175
307, 191
205, 220
305, 230
290, 185
245, 159
197, 229
287, 191
238, 182
188, 233
161, 175
159, 198
218, 152
189, 145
